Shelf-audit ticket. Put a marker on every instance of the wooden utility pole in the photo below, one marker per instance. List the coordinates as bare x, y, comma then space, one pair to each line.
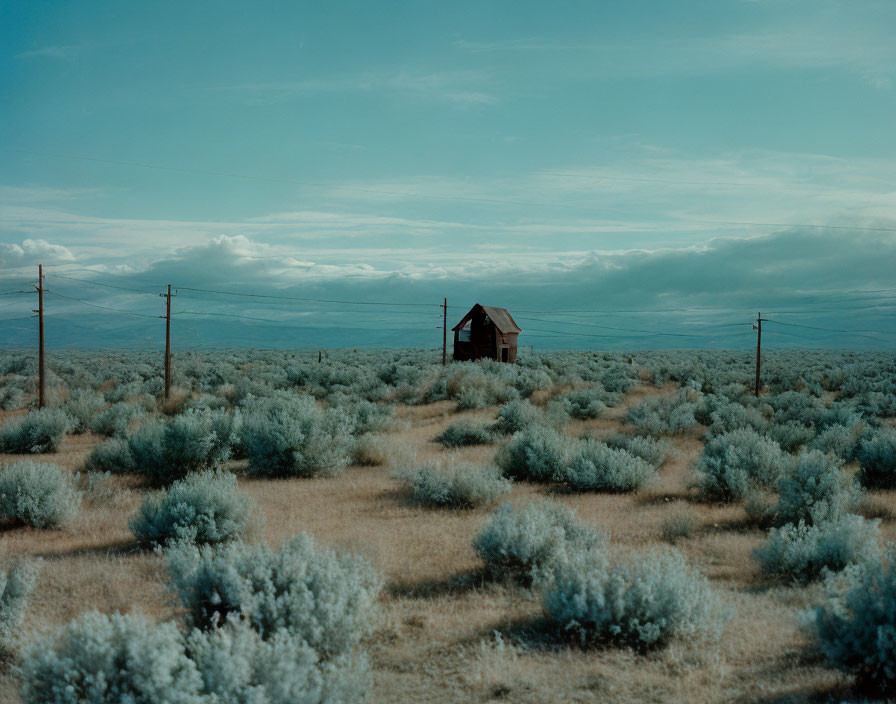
167, 342
444, 332
758, 328
41, 369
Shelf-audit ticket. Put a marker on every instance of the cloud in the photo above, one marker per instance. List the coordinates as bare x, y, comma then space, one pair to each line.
61, 52
457, 87
33, 252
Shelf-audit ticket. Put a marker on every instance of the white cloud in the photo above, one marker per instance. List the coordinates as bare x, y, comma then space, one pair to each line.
34, 252
62, 52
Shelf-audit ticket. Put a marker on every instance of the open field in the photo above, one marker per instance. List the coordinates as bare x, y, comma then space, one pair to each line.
446, 630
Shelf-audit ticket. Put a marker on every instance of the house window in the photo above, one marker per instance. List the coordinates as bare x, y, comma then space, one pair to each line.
463, 333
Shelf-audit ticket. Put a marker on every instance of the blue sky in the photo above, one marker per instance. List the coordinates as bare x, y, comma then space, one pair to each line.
710, 157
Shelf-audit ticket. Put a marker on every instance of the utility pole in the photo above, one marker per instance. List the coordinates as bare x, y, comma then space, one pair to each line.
758, 328
167, 341
444, 332
41, 375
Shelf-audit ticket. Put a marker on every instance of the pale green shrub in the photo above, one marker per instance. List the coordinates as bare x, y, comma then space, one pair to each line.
649, 449
316, 595
537, 454
81, 408
803, 552
736, 463
791, 436
465, 432
203, 508
518, 415
839, 440
238, 666
597, 467
877, 458
167, 450
112, 455
41, 495
663, 416
36, 432
586, 403
371, 449
816, 491
288, 436
643, 602
461, 485
100, 659
116, 419
17, 579
856, 627
525, 542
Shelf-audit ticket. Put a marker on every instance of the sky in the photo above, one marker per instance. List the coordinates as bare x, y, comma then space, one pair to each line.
618, 175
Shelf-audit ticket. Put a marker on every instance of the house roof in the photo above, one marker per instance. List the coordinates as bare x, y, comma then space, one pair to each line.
499, 316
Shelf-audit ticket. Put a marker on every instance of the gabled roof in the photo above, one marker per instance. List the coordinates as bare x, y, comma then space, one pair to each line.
499, 316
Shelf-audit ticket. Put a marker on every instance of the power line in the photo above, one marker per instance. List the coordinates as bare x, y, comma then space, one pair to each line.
12, 293
313, 300
96, 305
26, 317
813, 327
97, 283
607, 327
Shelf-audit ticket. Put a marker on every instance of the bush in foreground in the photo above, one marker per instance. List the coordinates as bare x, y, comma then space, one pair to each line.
112, 455
40, 495
460, 485
525, 542
37, 432
167, 450
465, 433
877, 458
736, 463
537, 454
642, 603
16, 583
856, 627
804, 552
597, 467
100, 659
203, 508
316, 595
816, 491
287, 436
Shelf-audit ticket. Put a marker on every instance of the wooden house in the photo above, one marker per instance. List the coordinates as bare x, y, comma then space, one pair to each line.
486, 332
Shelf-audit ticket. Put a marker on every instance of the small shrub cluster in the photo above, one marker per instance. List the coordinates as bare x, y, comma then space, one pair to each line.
816, 490
461, 485
521, 415
167, 450
36, 432
663, 416
81, 408
524, 543
642, 602
40, 495
536, 454
112, 455
16, 584
322, 598
117, 419
736, 463
804, 552
877, 458
856, 627
267, 628
586, 403
598, 467
650, 449
465, 433
204, 508
290, 436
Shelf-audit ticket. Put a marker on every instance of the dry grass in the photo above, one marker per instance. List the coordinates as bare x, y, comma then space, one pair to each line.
437, 641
